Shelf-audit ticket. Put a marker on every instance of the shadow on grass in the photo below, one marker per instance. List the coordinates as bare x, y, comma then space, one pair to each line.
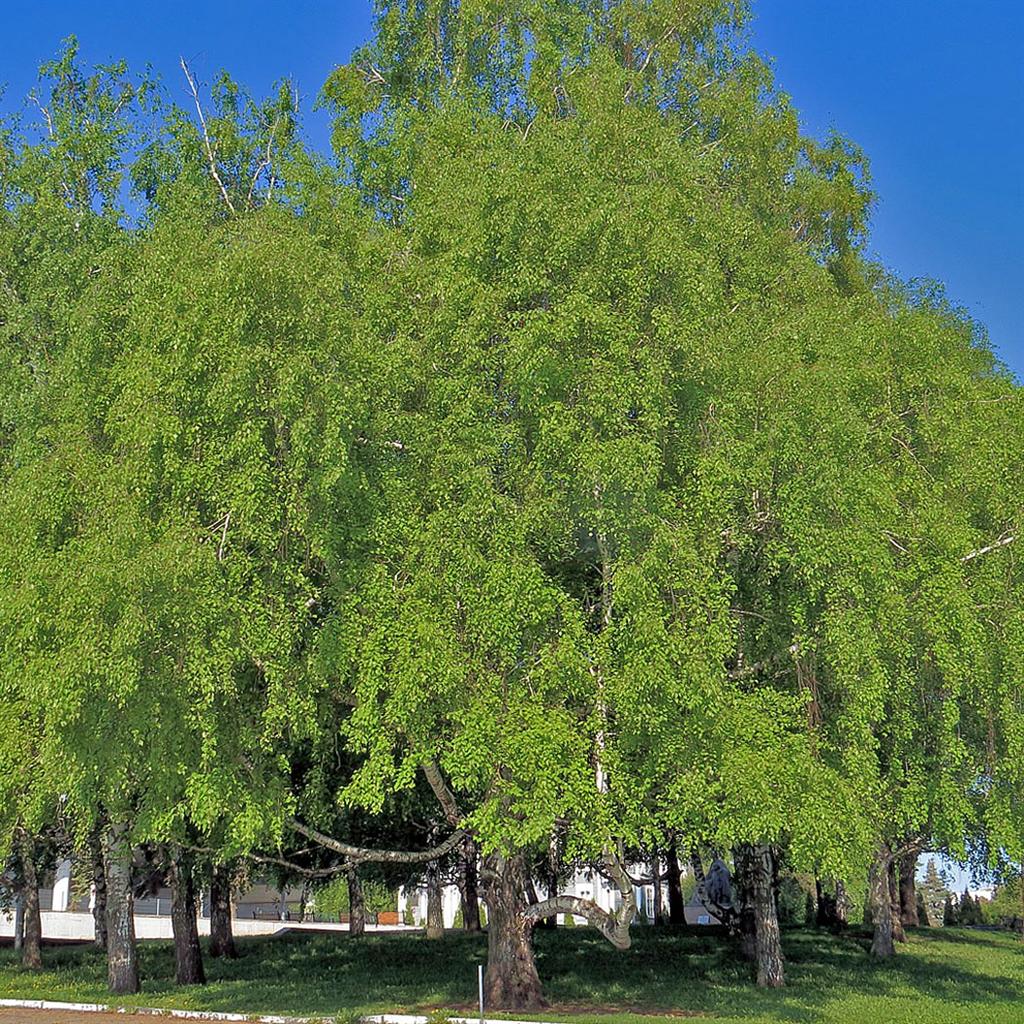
666, 971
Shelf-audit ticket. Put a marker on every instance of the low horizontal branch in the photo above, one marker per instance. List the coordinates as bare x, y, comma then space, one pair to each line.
613, 926
368, 855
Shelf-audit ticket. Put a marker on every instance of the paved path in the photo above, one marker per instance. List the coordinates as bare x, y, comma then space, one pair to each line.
73, 924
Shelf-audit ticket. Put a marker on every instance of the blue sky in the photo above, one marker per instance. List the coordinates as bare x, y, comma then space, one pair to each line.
932, 89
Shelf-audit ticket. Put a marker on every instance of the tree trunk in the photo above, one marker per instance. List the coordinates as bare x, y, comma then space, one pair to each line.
880, 903
842, 904
435, 904
770, 972
356, 906
831, 912
468, 887
824, 912
898, 934
122, 956
908, 891
188, 955
553, 862
31, 952
99, 891
659, 904
511, 981
676, 904
531, 891
743, 900
222, 939
19, 920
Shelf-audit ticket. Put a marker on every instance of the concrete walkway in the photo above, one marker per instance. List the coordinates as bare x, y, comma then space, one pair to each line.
23, 1011
72, 925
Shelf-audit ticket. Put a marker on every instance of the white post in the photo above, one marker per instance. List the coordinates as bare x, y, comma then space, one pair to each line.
480, 981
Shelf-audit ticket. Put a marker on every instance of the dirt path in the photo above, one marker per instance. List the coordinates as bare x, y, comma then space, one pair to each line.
9, 1015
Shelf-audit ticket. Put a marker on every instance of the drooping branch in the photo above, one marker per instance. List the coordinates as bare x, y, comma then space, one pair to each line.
613, 926
329, 872
265, 858
363, 854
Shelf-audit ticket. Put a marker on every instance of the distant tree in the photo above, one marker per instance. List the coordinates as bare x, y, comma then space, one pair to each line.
1006, 908
950, 912
969, 911
933, 894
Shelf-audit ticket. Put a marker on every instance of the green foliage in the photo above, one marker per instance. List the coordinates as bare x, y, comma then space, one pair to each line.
792, 902
559, 435
950, 917
1006, 905
332, 900
969, 912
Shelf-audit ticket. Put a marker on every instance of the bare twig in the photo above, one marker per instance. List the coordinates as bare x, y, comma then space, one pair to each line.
223, 538
647, 61
1006, 539
45, 112
211, 158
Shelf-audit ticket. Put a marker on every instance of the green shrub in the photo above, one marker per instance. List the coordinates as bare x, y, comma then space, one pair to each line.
331, 900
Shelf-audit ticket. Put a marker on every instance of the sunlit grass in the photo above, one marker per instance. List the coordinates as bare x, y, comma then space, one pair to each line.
941, 976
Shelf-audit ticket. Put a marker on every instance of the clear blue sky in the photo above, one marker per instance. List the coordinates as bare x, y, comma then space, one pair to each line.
932, 89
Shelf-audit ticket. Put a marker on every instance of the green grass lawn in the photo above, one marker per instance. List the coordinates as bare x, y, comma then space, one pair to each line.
940, 977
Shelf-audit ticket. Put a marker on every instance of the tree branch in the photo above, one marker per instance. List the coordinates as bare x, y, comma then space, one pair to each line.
1006, 539
206, 135
335, 869
33, 98
614, 927
445, 797
263, 858
264, 164
647, 60
362, 854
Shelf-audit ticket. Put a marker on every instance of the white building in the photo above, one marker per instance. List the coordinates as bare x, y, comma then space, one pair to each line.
585, 884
